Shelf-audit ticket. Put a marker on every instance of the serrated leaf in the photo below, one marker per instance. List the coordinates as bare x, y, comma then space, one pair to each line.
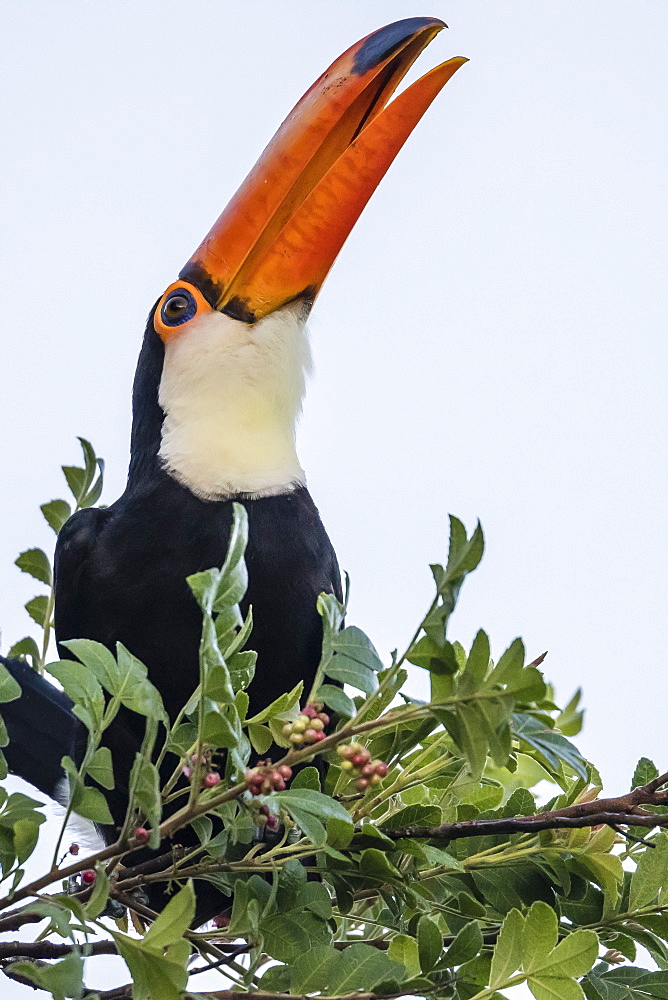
308, 777
56, 512
508, 952
646, 770
341, 668
38, 609
23, 648
36, 563
355, 645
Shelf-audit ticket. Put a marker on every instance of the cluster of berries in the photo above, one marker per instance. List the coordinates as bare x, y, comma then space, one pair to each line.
356, 759
309, 727
210, 779
268, 818
265, 778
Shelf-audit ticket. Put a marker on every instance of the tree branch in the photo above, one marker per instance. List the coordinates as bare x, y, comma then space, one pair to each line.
624, 810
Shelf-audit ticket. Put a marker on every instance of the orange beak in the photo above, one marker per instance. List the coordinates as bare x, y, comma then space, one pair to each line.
281, 232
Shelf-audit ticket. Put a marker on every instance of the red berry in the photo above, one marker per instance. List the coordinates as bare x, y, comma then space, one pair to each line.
272, 822
142, 835
222, 920
319, 737
362, 784
88, 877
368, 770
324, 718
74, 849
211, 779
381, 768
285, 771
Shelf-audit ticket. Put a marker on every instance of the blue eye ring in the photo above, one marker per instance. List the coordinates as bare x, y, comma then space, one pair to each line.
178, 307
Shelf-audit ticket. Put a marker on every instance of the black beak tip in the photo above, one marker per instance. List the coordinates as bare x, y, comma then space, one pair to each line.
382, 43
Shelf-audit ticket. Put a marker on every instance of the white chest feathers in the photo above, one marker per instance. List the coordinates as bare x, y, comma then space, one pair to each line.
232, 394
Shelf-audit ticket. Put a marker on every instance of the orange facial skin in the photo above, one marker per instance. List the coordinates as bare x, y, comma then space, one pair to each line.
165, 331
281, 232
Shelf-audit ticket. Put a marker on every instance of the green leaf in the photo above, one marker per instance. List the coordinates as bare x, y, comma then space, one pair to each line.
38, 608
437, 657
56, 512
404, 949
554, 988
93, 805
36, 563
336, 699
355, 645
540, 935
510, 664
260, 737
76, 480
361, 968
477, 664
646, 770
650, 874
313, 969
374, 864
552, 747
10, 689
100, 768
173, 921
100, 894
26, 647
309, 824
308, 777
314, 802
508, 953
82, 687
430, 943
463, 555
417, 815
465, 947
342, 668
61, 979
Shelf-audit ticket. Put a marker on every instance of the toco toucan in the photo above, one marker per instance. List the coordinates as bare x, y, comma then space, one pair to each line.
217, 393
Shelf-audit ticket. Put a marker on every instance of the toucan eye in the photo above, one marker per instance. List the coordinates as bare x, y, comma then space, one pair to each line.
178, 307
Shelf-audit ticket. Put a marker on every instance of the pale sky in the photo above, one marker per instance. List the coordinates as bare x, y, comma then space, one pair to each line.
491, 341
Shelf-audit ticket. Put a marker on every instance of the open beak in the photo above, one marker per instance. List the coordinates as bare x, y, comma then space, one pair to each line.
281, 232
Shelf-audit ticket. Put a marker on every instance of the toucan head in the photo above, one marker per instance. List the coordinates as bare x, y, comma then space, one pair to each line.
250, 283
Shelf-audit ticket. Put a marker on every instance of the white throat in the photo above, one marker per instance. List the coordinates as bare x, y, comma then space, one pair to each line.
232, 394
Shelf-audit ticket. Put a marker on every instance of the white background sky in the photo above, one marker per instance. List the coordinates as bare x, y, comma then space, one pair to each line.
491, 341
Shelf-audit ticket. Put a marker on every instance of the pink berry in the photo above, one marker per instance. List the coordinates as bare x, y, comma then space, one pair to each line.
381, 768
324, 718
186, 771
142, 835
362, 784
88, 877
309, 712
319, 737
358, 760
368, 770
211, 779
285, 771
